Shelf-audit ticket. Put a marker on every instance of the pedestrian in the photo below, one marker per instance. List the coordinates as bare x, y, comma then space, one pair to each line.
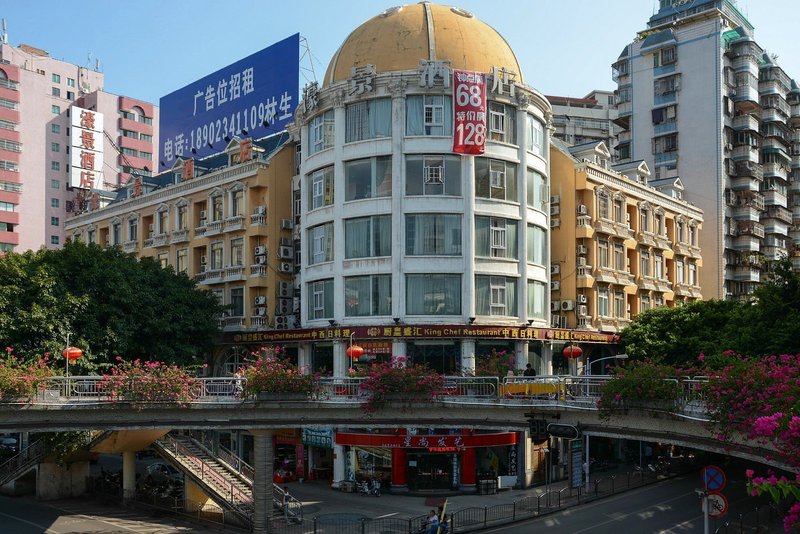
286, 499
529, 371
433, 522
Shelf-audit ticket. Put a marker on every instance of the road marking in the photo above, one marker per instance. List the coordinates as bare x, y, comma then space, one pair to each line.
622, 516
47, 530
387, 515
95, 518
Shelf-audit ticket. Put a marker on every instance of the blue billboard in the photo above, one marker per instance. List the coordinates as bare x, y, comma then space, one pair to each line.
254, 97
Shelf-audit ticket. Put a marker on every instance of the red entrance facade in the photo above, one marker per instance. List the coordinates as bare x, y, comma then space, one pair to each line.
462, 447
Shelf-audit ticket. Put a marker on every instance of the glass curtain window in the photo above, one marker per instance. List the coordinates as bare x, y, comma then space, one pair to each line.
429, 115
495, 295
535, 141
368, 295
537, 245
433, 175
368, 120
320, 243
433, 234
495, 179
320, 299
535, 190
368, 178
366, 237
433, 294
496, 238
536, 299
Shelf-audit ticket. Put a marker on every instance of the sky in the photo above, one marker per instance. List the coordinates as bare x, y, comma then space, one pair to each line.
149, 48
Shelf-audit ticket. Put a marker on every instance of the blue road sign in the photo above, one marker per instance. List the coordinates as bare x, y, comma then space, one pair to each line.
713, 478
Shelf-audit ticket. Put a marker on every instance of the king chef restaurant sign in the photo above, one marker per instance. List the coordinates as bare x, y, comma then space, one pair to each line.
433, 443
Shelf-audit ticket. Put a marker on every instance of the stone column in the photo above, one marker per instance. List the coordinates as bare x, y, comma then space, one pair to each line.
128, 476
520, 355
547, 358
263, 458
304, 357
338, 465
399, 466
468, 357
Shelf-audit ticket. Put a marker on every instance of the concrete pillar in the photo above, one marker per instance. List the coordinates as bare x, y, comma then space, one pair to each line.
547, 358
468, 357
338, 465
304, 357
128, 475
399, 348
340, 359
525, 467
263, 458
520, 355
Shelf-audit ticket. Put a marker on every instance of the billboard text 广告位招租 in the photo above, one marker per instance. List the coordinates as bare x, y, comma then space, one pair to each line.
253, 97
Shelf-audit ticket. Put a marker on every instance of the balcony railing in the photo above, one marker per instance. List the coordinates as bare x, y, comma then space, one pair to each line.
234, 223
180, 236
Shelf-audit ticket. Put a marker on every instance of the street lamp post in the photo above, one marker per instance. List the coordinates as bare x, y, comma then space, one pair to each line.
615, 357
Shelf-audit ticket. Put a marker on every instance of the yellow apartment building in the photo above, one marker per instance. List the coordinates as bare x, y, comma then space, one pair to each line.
620, 243
225, 220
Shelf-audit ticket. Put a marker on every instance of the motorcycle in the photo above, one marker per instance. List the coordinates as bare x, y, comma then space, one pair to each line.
444, 527
366, 487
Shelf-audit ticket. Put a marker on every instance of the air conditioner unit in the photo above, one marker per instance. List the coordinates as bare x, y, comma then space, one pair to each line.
581, 250
285, 267
261, 311
203, 259
287, 224
261, 300
555, 305
286, 241
260, 210
583, 311
203, 215
261, 260
285, 253
555, 199
150, 227
555, 320
582, 209
555, 210
281, 322
555, 286
555, 268
582, 299
285, 289
261, 250
283, 307
555, 223
567, 305
581, 262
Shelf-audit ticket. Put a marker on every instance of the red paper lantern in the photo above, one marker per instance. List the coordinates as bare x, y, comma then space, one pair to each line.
354, 351
72, 353
572, 351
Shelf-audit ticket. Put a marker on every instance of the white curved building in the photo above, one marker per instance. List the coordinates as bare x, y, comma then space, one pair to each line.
408, 247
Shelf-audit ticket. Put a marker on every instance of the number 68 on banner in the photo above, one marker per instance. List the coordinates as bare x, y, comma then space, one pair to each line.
469, 112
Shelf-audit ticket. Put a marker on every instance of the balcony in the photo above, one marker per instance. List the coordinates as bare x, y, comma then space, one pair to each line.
605, 226
666, 157
584, 278
200, 230
776, 169
130, 246
180, 236
775, 198
624, 136
258, 270
665, 127
751, 228
646, 282
259, 322
664, 69
148, 243
774, 253
745, 122
625, 279
234, 223
214, 228
746, 273
666, 98
233, 273
213, 276
258, 220
750, 168
779, 214
746, 153
682, 249
232, 324
584, 227
160, 240
794, 113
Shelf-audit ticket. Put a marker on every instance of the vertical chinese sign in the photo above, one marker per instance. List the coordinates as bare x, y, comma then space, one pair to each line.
469, 112
86, 138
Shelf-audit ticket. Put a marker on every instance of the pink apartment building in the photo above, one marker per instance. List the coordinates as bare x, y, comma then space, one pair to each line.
37, 95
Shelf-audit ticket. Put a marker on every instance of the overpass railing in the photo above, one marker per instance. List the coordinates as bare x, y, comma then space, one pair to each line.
580, 391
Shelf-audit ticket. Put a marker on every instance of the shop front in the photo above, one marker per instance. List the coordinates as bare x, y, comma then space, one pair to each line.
433, 460
289, 456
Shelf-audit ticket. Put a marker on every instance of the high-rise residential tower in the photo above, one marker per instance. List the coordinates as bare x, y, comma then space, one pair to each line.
37, 151
699, 99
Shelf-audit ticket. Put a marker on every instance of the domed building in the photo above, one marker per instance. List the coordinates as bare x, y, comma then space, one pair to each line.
410, 248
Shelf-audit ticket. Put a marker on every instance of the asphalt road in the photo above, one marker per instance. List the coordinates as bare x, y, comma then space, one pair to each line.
667, 507
26, 516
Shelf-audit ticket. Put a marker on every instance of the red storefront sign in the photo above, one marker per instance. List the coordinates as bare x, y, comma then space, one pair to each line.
469, 112
448, 441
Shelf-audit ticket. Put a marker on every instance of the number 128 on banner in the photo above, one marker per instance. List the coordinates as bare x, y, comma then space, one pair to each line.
469, 112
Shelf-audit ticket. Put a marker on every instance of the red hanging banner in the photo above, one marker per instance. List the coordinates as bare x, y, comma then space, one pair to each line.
469, 112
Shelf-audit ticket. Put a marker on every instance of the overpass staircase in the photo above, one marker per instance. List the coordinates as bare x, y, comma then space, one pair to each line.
30, 457
226, 478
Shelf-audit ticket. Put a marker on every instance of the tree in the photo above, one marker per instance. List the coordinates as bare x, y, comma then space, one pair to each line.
111, 304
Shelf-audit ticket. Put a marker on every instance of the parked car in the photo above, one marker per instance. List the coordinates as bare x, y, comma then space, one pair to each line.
159, 473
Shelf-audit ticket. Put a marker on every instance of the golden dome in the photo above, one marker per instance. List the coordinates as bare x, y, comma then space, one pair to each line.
400, 36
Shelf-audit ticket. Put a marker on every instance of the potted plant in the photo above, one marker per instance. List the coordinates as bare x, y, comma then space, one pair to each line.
640, 385
271, 376
395, 381
148, 381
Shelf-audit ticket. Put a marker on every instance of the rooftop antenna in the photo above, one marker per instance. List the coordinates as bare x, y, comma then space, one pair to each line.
4, 35
306, 53
97, 64
88, 59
